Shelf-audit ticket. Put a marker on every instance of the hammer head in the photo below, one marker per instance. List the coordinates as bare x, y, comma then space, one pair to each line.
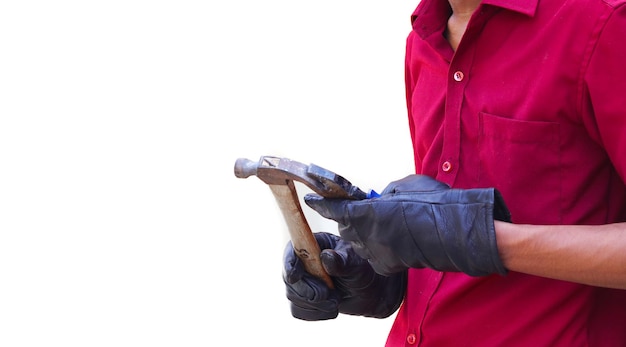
279, 171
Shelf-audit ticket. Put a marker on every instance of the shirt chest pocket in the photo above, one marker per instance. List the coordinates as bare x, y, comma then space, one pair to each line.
522, 159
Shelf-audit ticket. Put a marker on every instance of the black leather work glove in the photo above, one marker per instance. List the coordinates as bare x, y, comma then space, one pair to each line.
419, 222
359, 290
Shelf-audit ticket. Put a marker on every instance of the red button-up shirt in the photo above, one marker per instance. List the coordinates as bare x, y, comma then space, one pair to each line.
533, 102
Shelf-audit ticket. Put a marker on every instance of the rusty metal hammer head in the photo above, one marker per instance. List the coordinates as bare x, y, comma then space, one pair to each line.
278, 171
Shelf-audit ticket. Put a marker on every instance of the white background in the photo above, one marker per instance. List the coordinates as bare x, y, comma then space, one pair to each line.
121, 221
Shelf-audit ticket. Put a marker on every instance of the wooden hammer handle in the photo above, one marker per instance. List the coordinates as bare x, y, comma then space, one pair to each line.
304, 243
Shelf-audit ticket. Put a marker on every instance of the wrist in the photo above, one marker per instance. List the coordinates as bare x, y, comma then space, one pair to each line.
512, 240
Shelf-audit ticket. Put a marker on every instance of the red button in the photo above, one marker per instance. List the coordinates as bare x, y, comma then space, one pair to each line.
411, 339
446, 166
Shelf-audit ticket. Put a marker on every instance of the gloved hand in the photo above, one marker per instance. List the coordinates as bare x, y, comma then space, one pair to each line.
419, 222
358, 289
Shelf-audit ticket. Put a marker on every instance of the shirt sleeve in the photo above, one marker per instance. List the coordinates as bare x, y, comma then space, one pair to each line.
604, 89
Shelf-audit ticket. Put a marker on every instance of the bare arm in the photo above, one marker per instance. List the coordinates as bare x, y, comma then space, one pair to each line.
594, 255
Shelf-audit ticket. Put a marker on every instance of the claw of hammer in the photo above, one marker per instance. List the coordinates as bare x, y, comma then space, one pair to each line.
279, 174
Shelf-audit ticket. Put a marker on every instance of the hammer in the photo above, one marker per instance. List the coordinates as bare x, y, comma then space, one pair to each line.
280, 174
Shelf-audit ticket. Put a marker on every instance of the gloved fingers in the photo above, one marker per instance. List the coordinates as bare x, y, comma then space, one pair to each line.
327, 208
310, 291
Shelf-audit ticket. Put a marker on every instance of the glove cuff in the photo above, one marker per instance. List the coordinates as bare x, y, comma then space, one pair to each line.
496, 210
469, 230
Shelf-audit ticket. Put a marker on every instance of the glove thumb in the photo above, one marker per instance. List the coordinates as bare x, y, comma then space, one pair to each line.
333, 262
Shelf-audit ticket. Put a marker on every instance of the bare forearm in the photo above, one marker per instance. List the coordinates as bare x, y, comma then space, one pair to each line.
594, 255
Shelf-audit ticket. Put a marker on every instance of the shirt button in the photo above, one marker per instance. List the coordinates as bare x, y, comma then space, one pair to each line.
446, 166
458, 76
411, 339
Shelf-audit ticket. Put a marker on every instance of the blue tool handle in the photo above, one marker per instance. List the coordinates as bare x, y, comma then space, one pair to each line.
372, 194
